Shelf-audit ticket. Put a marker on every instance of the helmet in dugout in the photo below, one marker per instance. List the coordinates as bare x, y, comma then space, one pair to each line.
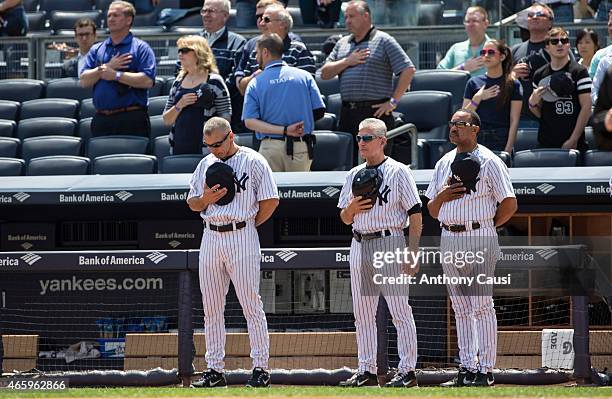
366, 184
222, 174
465, 168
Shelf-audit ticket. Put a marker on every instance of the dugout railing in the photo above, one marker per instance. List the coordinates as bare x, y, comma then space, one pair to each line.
85, 295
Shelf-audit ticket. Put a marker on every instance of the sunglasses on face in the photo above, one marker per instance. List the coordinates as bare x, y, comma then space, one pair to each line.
365, 138
490, 52
563, 40
537, 14
218, 143
267, 19
459, 124
184, 50
259, 16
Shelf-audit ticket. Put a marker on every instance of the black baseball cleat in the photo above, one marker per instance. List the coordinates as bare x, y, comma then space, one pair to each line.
483, 380
210, 379
259, 379
403, 380
365, 379
464, 378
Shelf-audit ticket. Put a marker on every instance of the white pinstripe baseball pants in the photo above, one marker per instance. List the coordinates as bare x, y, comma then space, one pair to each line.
364, 309
235, 256
474, 312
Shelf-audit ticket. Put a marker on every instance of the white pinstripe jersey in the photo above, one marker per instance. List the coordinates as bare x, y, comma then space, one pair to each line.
398, 193
494, 185
254, 182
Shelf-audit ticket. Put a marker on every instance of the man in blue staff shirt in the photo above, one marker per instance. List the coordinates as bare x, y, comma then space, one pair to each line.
121, 69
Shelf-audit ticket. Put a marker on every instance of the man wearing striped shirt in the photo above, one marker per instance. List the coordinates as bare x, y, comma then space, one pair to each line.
279, 21
365, 61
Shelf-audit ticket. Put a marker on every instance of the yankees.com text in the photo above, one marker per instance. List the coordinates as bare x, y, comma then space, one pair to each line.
76, 284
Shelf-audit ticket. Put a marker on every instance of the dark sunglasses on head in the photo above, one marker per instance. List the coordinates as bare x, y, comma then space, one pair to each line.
489, 52
459, 124
563, 40
184, 50
218, 143
365, 138
537, 14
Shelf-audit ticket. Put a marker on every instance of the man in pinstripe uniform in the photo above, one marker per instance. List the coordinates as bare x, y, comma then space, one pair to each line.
469, 220
230, 247
376, 225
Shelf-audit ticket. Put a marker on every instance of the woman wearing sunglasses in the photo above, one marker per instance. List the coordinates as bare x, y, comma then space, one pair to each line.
496, 97
197, 94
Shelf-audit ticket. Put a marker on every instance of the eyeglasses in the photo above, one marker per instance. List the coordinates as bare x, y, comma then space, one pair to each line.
537, 14
490, 52
218, 143
366, 138
208, 11
184, 50
267, 19
563, 40
459, 124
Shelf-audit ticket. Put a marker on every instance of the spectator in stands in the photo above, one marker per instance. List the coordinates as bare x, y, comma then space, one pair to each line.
531, 55
121, 69
587, 43
246, 11
13, 20
324, 13
465, 56
85, 36
395, 12
226, 47
496, 97
602, 68
602, 114
601, 52
563, 10
197, 94
296, 54
602, 8
365, 62
561, 97
583, 10
282, 106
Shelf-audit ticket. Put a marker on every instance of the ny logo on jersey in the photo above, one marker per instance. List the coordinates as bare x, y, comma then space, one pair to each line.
241, 183
383, 196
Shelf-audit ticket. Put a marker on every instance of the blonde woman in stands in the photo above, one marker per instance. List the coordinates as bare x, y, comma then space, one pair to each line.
197, 94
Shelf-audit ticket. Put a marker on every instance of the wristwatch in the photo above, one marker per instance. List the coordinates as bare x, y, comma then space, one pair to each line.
118, 75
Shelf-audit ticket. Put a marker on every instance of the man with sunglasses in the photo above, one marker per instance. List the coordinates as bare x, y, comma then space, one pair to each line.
465, 56
381, 226
365, 62
281, 107
563, 109
469, 220
230, 247
246, 10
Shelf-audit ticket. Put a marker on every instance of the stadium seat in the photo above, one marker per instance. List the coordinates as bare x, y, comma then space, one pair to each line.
87, 108
9, 110
597, 158
64, 20
546, 158
157, 105
7, 128
296, 14
21, 89
11, 166
526, 139
429, 111
148, 30
124, 164
167, 85
42, 107
245, 140
34, 147
333, 151
67, 88
327, 87
431, 13
161, 147
431, 150
119, 144
9, 147
158, 87
36, 21
442, 80
158, 128
328, 122
192, 20
30, 5
507, 158
102, 5
589, 138
334, 105
66, 5
58, 165
147, 19
84, 130
179, 163
46, 126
